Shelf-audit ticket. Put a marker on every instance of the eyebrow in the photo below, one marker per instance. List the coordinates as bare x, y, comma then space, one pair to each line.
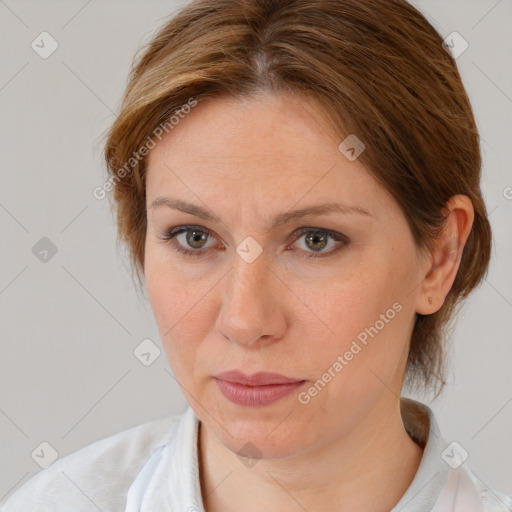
279, 220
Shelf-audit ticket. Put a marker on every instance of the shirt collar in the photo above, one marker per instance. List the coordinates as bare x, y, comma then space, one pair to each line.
433, 471
175, 485
176, 480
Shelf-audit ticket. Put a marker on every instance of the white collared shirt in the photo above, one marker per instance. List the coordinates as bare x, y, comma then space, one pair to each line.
153, 467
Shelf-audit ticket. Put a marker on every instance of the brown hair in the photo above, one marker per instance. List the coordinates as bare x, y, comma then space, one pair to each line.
380, 71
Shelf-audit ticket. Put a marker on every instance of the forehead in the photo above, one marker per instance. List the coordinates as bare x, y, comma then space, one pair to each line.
265, 125
263, 147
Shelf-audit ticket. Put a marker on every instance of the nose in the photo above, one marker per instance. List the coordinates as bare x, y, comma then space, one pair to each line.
252, 309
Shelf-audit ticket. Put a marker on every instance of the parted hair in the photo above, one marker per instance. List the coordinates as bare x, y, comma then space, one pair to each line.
380, 71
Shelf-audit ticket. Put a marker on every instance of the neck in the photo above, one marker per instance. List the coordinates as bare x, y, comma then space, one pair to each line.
369, 468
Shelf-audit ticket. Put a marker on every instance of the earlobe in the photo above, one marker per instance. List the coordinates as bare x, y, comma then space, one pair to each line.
445, 255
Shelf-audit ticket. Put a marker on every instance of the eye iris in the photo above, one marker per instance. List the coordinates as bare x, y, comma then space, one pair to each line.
314, 237
194, 236
316, 240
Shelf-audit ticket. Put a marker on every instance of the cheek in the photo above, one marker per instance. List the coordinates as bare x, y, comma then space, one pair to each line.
354, 300
366, 319
176, 304
171, 290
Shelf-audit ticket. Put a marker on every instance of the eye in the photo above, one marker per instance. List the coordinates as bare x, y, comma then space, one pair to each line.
192, 240
317, 239
191, 236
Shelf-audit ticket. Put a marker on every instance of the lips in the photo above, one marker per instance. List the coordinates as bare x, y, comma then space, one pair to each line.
256, 379
257, 390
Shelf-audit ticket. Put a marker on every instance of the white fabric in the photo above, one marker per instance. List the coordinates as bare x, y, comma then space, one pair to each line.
153, 467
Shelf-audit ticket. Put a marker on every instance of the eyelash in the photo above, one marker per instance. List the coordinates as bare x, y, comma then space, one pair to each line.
172, 233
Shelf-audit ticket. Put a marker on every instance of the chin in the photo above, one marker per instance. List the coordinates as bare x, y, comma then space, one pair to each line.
263, 434
262, 447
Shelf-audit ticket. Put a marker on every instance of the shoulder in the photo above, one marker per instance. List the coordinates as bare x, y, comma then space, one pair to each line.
489, 499
463, 491
444, 481
96, 476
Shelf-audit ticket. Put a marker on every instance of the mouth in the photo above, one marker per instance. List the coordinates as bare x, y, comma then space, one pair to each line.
257, 390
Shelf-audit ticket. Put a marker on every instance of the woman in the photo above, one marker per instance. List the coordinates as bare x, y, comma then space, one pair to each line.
298, 185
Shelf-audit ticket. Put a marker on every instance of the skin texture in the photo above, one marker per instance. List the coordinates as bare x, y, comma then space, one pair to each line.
248, 161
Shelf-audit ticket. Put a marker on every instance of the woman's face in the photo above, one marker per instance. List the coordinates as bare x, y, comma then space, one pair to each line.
331, 306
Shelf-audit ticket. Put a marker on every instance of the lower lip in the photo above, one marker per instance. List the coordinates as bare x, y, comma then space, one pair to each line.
256, 396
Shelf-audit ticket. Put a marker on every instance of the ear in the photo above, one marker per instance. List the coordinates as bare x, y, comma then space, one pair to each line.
442, 263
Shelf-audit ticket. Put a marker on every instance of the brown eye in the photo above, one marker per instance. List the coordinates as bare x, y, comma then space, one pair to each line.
196, 238
316, 240
192, 240
189, 240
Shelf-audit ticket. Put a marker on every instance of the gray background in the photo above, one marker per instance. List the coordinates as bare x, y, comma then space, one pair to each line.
70, 325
